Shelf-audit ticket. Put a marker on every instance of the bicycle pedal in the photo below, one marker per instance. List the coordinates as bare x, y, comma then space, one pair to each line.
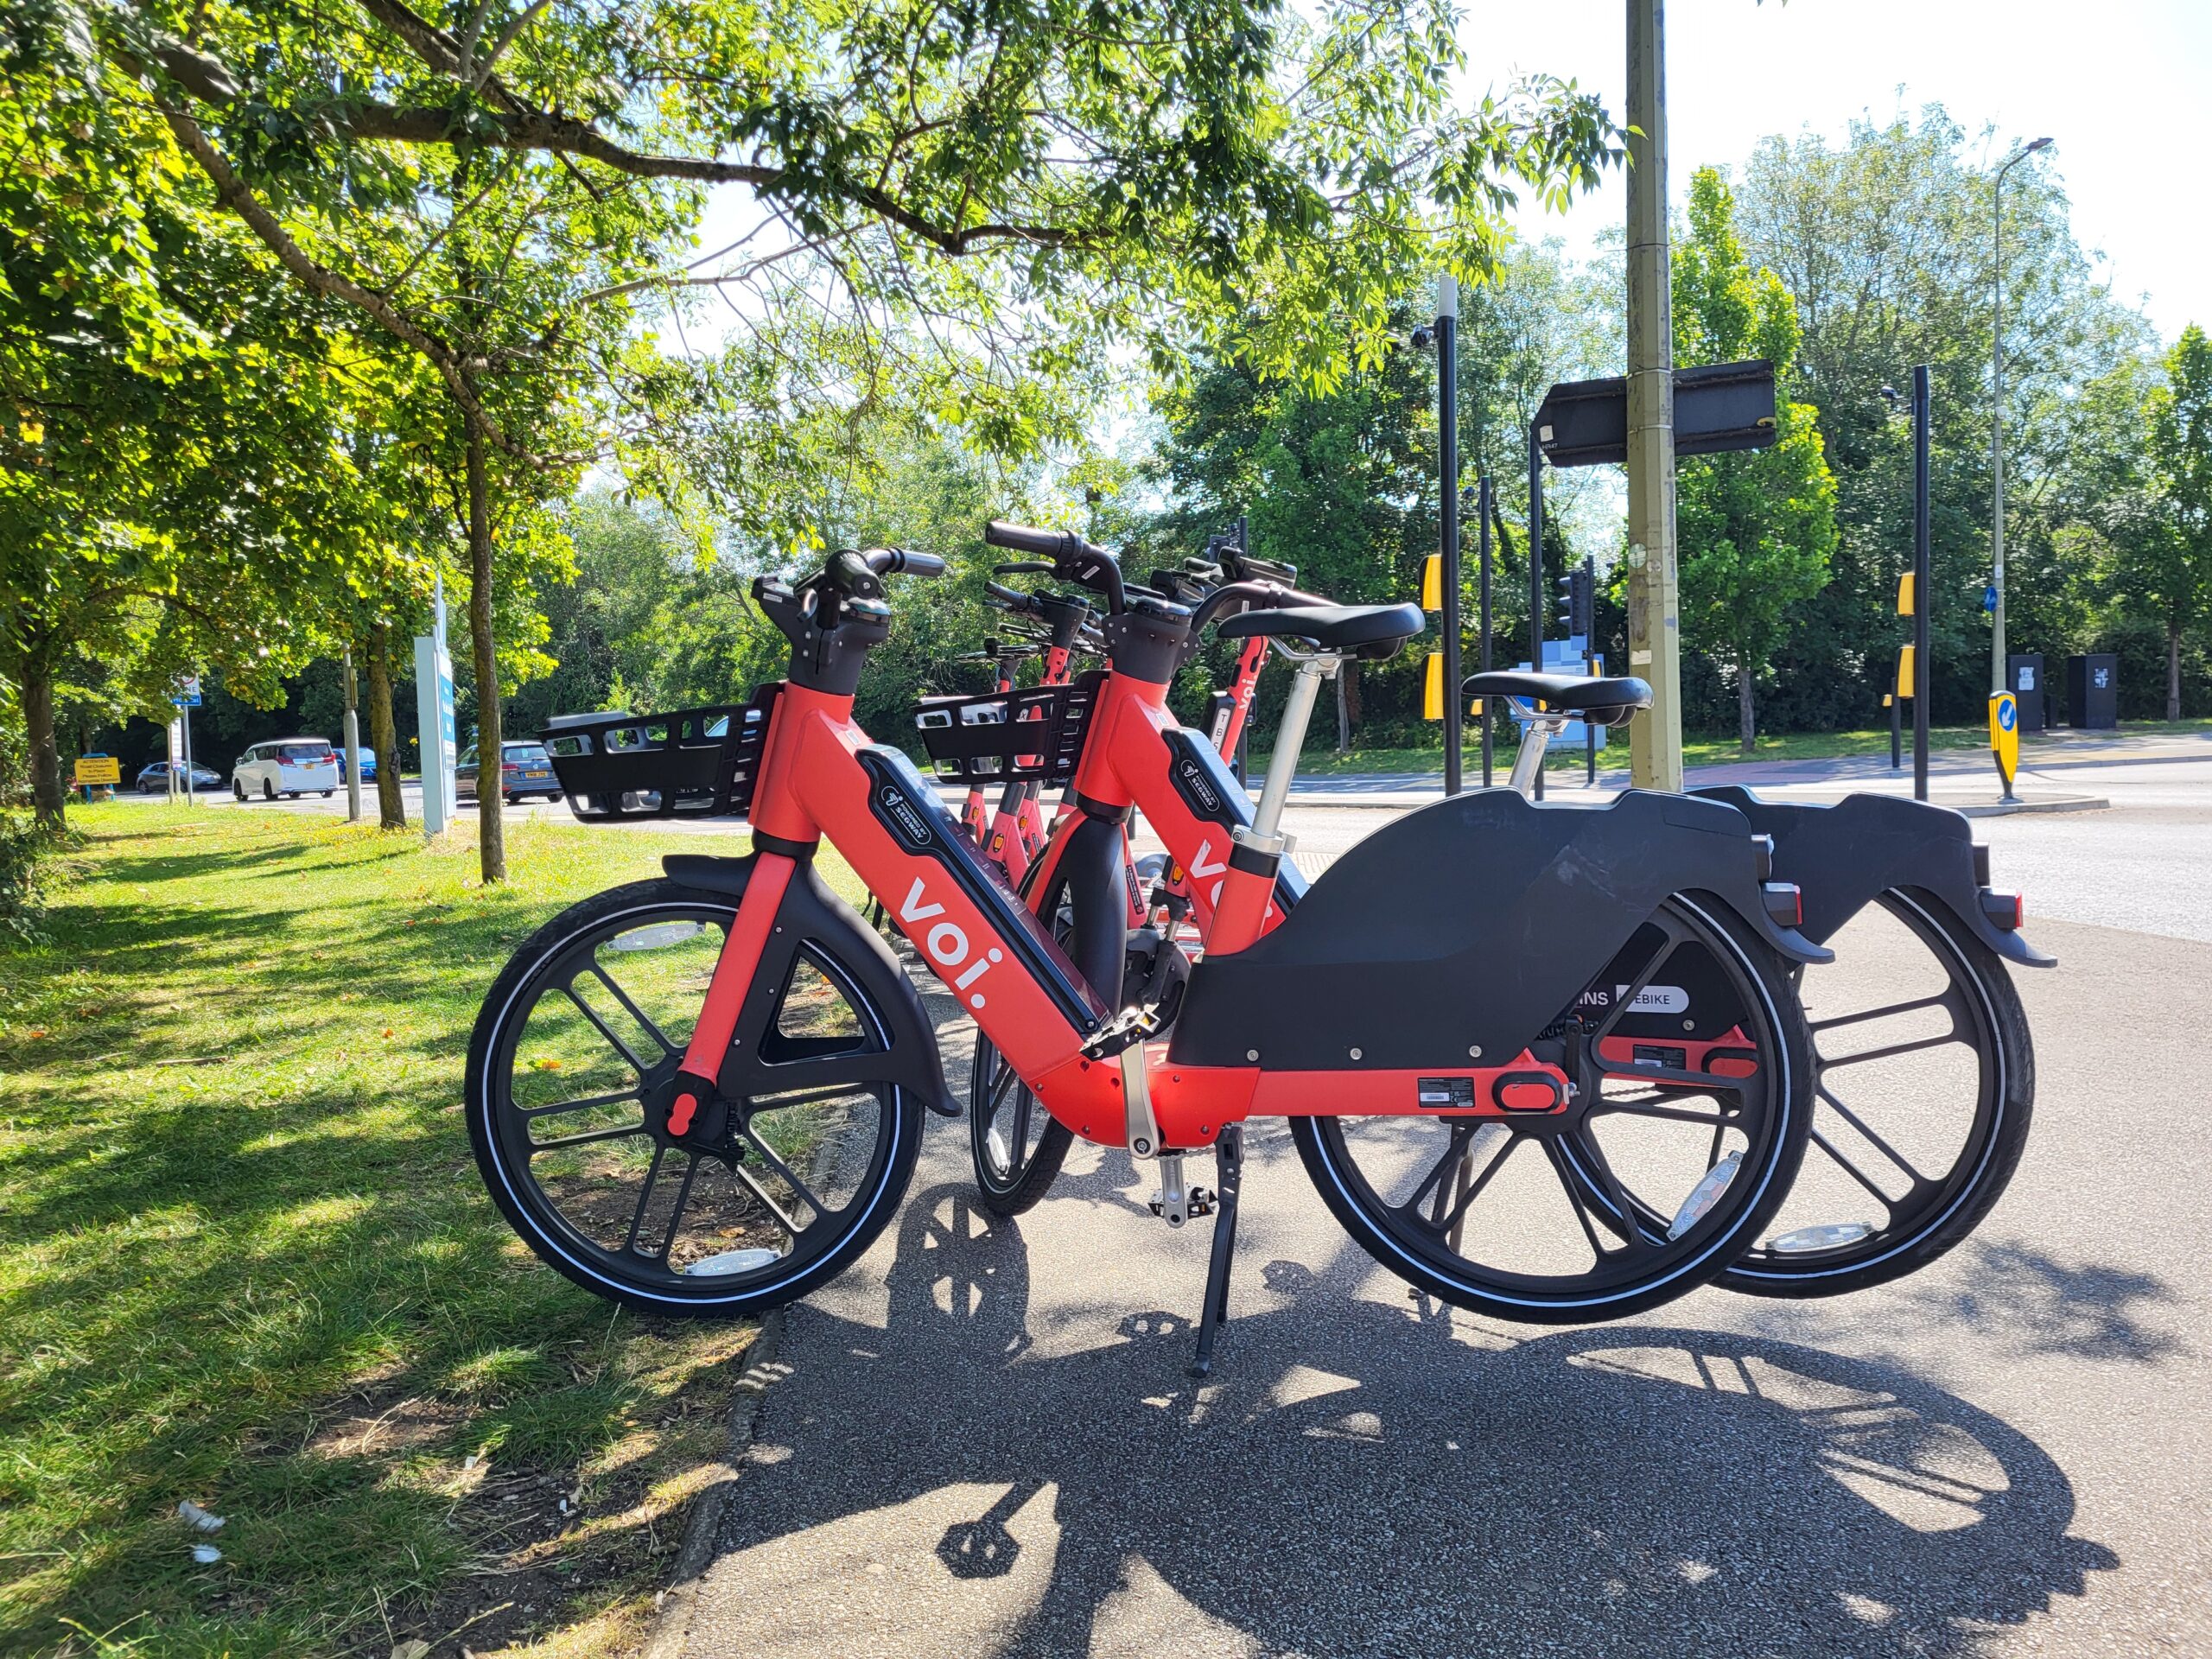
1177, 1203
1125, 1030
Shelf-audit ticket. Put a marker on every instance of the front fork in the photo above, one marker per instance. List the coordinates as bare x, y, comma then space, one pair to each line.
697, 1077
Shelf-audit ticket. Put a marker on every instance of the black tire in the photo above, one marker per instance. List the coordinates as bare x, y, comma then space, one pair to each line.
1936, 1210
328, 793
268, 790
559, 1227
239, 789
1011, 1172
1773, 1115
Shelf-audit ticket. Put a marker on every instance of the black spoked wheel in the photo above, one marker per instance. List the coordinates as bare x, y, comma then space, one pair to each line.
765, 1197
1019, 1145
1496, 1216
1927, 1085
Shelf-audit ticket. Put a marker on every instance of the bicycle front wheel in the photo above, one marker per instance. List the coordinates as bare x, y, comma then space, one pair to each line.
579, 1036
1504, 1216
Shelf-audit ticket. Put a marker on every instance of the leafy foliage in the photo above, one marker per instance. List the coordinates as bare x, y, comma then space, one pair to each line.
1756, 530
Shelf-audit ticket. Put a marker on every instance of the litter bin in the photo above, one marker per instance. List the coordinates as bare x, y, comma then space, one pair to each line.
2092, 692
2024, 676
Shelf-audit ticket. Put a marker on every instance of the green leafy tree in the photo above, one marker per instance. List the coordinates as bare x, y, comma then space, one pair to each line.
2165, 549
1340, 483
1883, 241
1756, 529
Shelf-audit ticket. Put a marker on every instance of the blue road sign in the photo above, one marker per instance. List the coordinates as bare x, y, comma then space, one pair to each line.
1989, 599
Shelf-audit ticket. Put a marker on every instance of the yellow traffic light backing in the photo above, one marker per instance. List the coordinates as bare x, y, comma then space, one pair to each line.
1431, 590
1905, 594
1904, 671
1432, 696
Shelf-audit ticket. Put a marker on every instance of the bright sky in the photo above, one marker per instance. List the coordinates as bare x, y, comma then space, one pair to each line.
2124, 87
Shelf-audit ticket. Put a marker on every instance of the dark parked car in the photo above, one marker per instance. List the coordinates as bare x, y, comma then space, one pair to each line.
524, 769
155, 780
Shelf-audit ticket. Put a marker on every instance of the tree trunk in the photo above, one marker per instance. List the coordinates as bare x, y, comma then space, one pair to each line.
383, 735
1747, 719
49, 799
491, 829
2173, 668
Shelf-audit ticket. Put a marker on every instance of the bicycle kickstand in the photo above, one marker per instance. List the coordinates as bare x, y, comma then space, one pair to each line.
1229, 1163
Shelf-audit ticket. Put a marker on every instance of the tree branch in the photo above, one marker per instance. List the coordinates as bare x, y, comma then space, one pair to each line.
231, 192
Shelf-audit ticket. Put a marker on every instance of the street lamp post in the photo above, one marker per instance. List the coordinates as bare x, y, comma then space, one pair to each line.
1996, 415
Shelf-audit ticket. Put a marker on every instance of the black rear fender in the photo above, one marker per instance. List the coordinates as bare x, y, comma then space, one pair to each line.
1843, 857
1464, 928
812, 914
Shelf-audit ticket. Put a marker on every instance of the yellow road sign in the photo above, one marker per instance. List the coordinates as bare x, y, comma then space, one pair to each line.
2005, 735
98, 769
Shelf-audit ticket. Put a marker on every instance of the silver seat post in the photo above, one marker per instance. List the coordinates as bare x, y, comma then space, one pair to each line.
1529, 759
1290, 737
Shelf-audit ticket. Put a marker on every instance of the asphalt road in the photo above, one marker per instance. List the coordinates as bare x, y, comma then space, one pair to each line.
982, 1440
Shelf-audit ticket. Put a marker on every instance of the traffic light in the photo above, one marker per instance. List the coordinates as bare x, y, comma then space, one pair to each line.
1576, 593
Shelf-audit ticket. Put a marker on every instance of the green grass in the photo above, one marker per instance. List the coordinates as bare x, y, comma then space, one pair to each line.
1696, 751
245, 1259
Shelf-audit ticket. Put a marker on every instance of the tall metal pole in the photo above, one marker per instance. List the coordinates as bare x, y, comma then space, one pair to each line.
1447, 418
190, 797
1590, 667
1485, 507
1996, 415
1654, 603
353, 744
1537, 566
1921, 596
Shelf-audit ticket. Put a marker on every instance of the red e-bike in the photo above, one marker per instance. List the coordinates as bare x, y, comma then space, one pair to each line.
703, 1093
1927, 1071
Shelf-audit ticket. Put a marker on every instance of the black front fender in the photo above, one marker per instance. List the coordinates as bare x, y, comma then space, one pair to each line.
811, 913
1843, 857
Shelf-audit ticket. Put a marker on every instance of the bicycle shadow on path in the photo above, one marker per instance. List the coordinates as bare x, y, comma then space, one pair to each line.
1358, 1479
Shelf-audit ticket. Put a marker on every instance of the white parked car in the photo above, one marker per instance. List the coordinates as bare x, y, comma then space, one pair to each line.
286, 766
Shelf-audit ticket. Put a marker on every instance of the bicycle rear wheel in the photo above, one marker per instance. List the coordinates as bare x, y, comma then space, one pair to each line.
1926, 1089
570, 1054
1494, 1214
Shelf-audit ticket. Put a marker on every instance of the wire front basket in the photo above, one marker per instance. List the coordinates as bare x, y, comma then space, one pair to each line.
1010, 736
694, 763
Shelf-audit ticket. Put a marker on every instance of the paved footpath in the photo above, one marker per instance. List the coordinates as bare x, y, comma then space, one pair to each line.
983, 1443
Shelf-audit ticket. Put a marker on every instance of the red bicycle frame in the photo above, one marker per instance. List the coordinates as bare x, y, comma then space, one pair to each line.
821, 776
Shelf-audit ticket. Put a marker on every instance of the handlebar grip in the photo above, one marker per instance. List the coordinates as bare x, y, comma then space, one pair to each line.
889, 560
1027, 538
1013, 598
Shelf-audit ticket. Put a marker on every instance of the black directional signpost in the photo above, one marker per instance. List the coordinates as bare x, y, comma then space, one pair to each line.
1719, 407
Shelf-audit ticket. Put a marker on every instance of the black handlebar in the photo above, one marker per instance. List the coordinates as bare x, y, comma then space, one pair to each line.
1073, 558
